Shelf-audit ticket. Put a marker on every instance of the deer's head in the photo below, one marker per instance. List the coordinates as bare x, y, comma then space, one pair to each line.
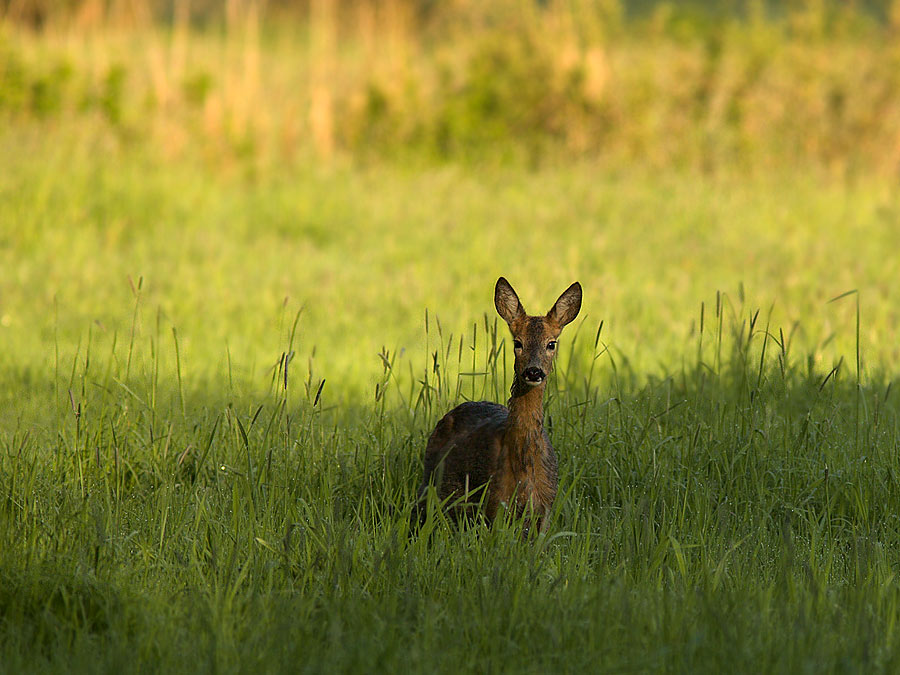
534, 337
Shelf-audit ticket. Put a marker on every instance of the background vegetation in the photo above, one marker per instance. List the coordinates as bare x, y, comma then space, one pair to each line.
247, 251
745, 85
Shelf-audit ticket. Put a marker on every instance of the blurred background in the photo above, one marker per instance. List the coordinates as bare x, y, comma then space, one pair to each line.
220, 168
666, 84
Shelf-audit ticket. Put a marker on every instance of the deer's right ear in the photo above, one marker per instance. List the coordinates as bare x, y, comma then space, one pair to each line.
507, 302
567, 306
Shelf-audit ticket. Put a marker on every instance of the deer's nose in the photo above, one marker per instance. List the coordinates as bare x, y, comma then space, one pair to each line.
533, 375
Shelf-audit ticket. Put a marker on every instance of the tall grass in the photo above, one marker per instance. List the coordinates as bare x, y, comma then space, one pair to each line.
737, 513
219, 235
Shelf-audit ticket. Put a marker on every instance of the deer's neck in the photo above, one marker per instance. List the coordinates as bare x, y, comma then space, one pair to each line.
524, 435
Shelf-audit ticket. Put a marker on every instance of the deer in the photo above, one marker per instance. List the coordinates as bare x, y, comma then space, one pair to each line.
501, 456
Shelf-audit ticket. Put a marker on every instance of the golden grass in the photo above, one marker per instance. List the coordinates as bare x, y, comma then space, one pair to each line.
817, 85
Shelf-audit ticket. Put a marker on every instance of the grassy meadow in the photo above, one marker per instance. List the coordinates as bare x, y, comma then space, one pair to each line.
247, 262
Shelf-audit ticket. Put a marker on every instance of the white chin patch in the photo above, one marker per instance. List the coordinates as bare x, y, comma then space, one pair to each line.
533, 383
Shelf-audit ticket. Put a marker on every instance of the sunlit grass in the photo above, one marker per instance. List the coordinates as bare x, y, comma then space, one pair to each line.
229, 261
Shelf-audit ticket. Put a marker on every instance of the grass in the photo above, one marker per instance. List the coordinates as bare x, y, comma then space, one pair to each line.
221, 356
651, 246
200, 474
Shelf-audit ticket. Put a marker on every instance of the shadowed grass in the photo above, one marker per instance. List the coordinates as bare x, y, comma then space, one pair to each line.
738, 513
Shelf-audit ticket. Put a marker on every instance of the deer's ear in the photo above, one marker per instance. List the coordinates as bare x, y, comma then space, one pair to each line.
507, 302
567, 306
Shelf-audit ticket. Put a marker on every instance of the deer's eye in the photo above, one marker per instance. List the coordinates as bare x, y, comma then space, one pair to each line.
551, 346
517, 344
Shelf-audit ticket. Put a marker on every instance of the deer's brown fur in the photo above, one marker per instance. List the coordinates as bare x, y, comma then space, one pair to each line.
502, 455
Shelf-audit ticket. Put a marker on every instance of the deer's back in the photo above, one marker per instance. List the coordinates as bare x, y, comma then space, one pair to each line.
463, 449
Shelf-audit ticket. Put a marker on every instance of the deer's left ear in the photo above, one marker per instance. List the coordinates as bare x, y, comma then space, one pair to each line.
567, 306
507, 302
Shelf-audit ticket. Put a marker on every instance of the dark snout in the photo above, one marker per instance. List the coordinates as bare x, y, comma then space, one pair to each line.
534, 375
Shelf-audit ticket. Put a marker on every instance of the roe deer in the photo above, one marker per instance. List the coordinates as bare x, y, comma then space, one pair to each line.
505, 451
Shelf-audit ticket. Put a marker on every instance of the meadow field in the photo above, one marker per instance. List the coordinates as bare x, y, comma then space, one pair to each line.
247, 262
